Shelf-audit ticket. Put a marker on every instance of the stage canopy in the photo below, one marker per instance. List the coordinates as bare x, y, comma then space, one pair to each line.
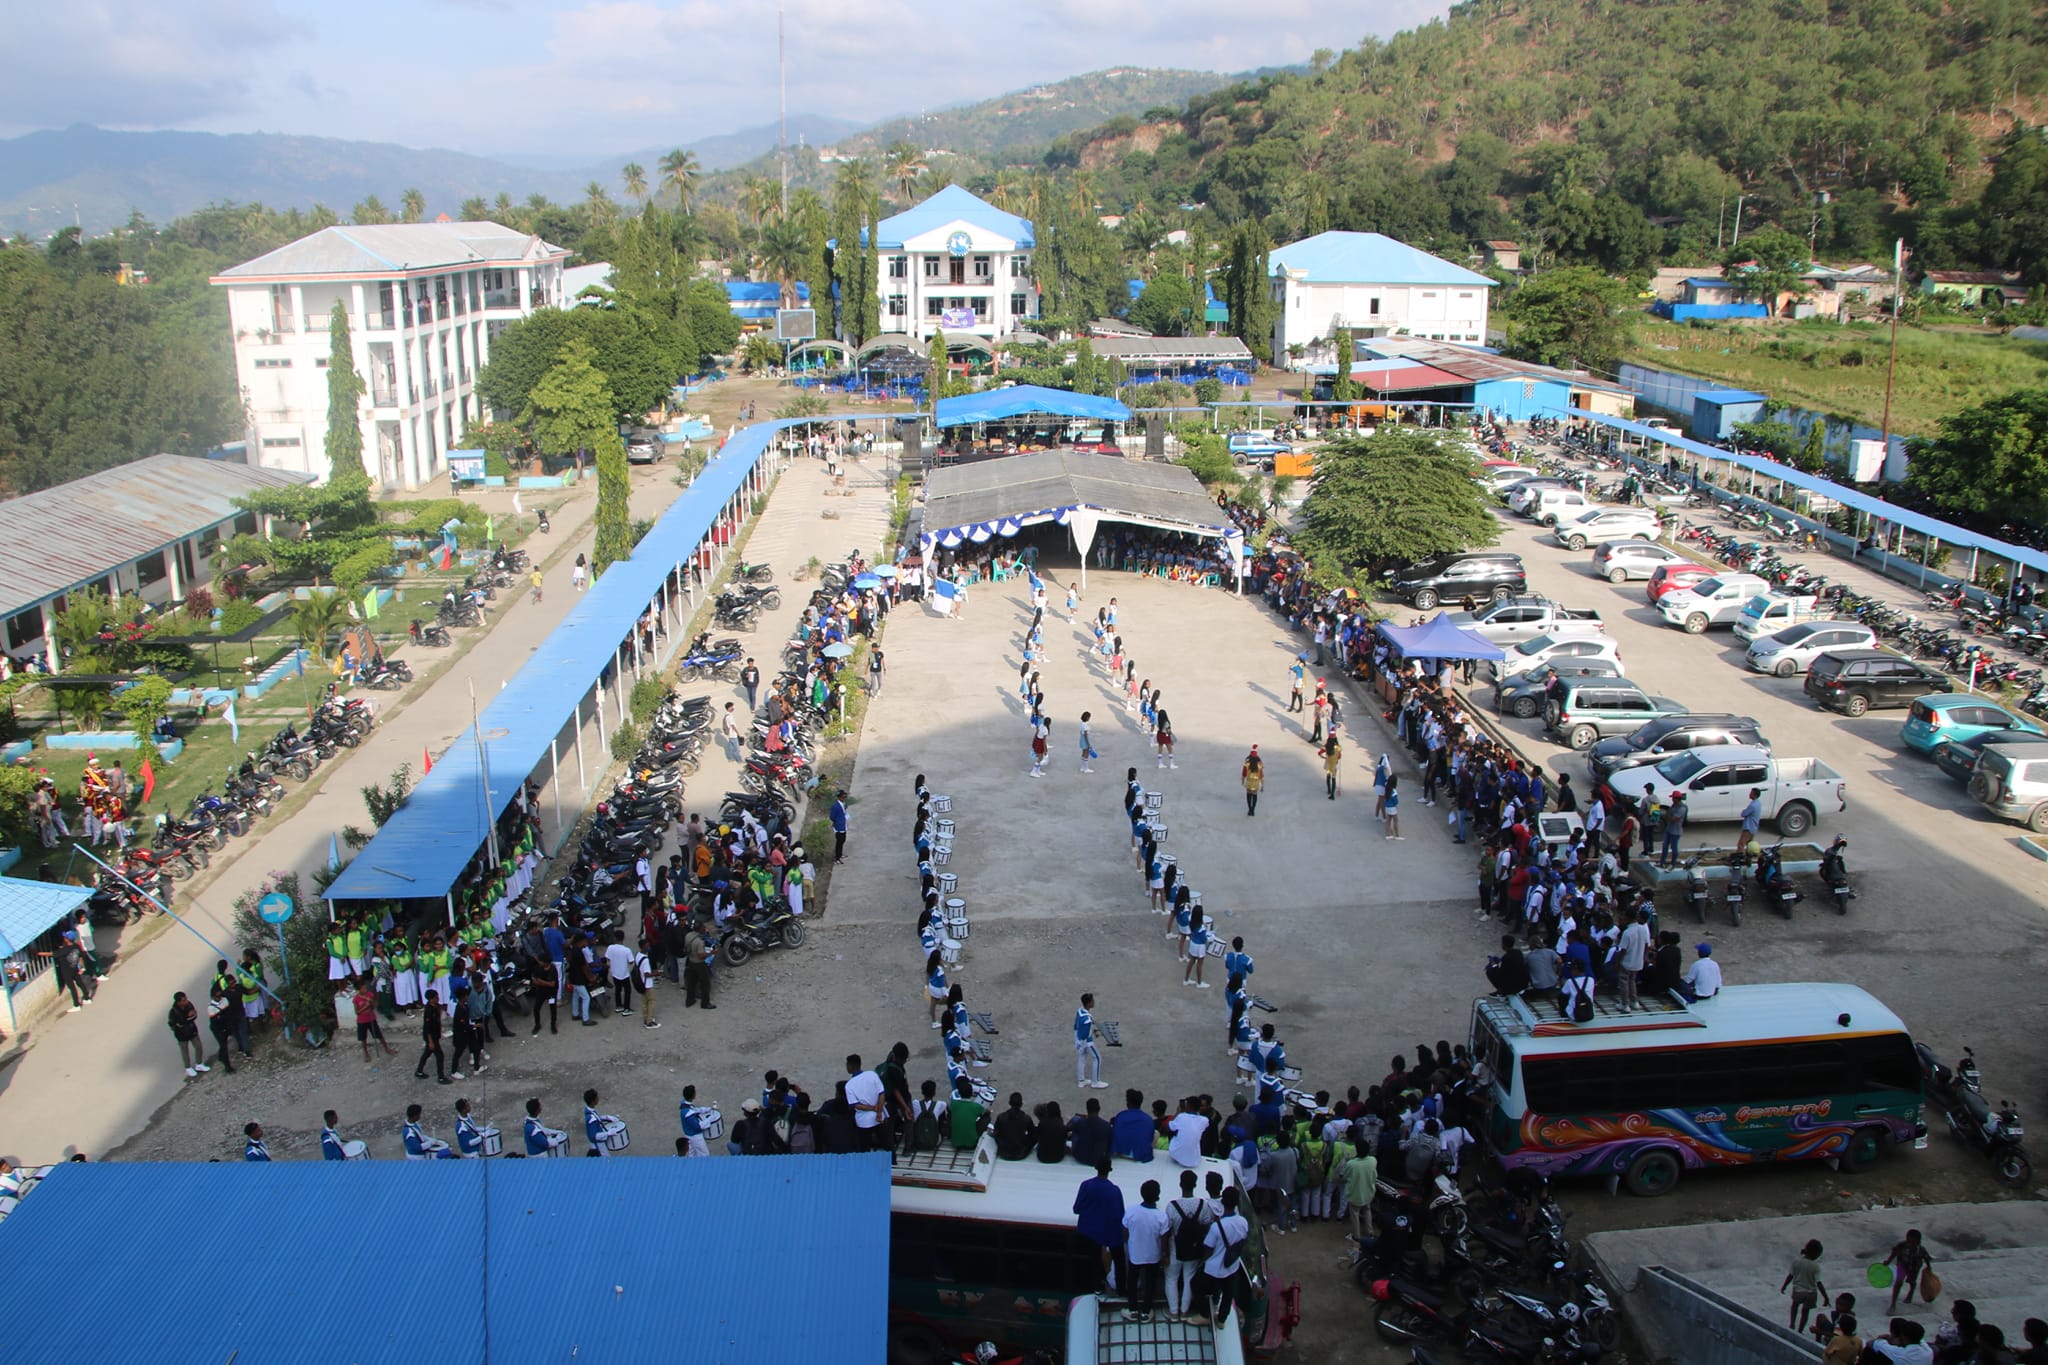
1021, 400
1437, 638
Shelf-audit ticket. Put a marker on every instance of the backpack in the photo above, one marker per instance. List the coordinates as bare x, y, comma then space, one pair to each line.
1190, 1237
925, 1133
1582, 1003
1315, 1164
802, 1139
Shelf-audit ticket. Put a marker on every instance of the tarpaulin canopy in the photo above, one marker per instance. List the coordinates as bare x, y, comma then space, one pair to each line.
28, 909
1020, 400
1437, 638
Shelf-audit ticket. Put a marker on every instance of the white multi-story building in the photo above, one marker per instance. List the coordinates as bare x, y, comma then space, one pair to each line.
423, 300
958, 262
1372, 285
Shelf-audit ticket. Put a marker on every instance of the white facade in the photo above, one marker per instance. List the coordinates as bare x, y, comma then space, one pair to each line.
955, 262
423, 300
1371, 285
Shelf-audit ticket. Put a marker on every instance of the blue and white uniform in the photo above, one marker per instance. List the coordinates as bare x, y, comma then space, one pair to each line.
1087, 1057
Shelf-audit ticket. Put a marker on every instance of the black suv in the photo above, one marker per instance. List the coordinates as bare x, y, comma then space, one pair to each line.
1482, 574
1854, 680
1659, 739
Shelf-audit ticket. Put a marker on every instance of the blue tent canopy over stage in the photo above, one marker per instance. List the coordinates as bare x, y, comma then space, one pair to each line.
1437, 638
1026, 400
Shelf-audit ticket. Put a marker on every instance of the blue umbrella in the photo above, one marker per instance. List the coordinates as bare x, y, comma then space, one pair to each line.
837, 650
867, 580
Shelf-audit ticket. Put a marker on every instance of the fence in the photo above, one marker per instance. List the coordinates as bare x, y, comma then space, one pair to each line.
1673, 393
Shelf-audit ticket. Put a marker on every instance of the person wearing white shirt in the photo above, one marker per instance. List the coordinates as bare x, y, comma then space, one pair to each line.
1145, 1247
864, 1094
1221, 1281
1184, 1147
1632, 955
618, 964
1703, 982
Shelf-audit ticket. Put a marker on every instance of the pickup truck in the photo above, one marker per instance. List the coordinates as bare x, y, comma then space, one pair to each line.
1717, 781
1524, 618
1770, 612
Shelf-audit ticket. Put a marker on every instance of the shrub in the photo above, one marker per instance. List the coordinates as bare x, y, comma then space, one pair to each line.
1208, 390
625, 741
647, 697
239, 614
199, 604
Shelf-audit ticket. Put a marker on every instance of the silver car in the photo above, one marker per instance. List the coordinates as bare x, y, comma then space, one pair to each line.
1792, 650
1618, 561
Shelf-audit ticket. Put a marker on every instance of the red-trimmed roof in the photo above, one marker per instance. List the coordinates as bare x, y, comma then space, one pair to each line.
1409, 378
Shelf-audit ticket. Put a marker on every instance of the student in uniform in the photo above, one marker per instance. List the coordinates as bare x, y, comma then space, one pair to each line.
253, 1148
469, 1134
1198, 945
419, 1146
599, 1127
1087, 1056
935, 988
542, 1140
333, 1146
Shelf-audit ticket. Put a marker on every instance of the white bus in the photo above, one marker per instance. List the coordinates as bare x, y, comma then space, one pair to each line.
1769, 1073
986, 1250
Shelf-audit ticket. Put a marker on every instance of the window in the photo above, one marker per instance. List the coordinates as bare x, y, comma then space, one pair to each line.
898, 305
899, 267
1372, 308
1464, 293
272, 363
931, 267
1020, 304
149, 569
934, 307
1015, 1256
1020, 266
320, 363
1757, 1073
1429, 293
280, 442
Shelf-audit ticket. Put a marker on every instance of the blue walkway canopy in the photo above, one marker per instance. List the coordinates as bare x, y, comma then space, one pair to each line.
28, 909
1437, 638
1021, 400
529, 1260
1870, 503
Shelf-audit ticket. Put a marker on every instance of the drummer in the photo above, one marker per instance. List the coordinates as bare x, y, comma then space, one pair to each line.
472, 1139
693, 1124
542, 1140
419, 1146
605, 1131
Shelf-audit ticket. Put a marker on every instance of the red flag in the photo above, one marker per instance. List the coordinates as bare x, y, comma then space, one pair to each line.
148, 781
427, 761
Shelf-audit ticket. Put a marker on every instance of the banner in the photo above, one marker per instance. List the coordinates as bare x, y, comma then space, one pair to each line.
958, 319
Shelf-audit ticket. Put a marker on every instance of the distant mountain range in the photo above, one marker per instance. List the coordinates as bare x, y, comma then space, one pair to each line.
100, 177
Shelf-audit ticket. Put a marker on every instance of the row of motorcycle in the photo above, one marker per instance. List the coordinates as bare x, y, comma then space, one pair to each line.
465, 606
1503, 1284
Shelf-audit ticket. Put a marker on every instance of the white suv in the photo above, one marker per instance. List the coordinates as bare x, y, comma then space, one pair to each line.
1607, 523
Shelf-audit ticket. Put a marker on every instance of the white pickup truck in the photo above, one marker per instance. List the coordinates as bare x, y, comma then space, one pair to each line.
1717, 780
1524, 618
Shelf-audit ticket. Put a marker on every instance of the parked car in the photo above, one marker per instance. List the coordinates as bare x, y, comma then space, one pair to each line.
1618, 561
2011, 782
1607, 523
1673, 577
1548, 506
1717, 783
1770, 612
1247, 446
1791, 651
1958, 758
1854, 680
1657, 741
1511, 621
1505, 482
1535, 653
1494, 575
1593, 708
643, 447
1716, 601
1937, 720
1521, 694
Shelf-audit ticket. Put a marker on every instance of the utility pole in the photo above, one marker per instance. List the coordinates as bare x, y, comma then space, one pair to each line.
1891, 367
782, 100
1736, 240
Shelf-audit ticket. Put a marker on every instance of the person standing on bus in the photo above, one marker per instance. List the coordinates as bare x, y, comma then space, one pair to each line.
1222, 1281
1145, 1248
1099, 1216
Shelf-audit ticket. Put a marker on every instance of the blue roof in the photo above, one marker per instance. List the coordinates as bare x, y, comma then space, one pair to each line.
28, 908
1722, 397
1368, 258
539, 1270
1021, 399
951, 204
1437, 638
1711, 282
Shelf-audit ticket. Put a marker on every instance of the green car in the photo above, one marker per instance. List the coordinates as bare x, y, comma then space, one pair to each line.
1594, 708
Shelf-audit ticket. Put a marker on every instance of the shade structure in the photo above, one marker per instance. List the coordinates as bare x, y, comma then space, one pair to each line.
1437, 638
28, 909
1020, 400
974, 502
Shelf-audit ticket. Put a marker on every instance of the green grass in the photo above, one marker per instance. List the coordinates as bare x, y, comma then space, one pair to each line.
1840, 370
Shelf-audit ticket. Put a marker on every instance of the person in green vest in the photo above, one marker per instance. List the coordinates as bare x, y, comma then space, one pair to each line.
405, 979
358, 937
252, 978
337, 951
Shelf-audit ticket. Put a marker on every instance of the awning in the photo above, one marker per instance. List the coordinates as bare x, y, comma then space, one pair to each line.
1437, 638
1020, 400
976, 502
29, 909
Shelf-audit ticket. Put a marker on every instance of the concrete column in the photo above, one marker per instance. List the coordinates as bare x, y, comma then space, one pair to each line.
555, 784
582, 777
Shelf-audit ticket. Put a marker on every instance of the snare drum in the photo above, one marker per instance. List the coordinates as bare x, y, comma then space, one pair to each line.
615, 1139
490, 1142
355, 1150
1167, 860
948, 883
1194, 899
949, 951
956, 920
713, 1121
941, 804
1158, 831
943, 830
1154, 802
557, 1148
942, 854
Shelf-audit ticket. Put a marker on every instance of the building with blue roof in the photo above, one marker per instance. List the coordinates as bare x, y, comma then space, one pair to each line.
1374, 286
956, 262
754, 302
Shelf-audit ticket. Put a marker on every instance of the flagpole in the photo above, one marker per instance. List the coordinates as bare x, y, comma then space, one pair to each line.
483, 759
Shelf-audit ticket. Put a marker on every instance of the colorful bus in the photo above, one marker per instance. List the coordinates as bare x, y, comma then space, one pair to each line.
985, 1250
1768, 1073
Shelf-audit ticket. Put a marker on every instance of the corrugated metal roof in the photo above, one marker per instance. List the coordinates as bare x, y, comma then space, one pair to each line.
394, 249
79, 531
1367, 258
28, 908
513, 1261
1722, 396
1171, 348
1031, 485
1019, 400
1476, 364
949, 205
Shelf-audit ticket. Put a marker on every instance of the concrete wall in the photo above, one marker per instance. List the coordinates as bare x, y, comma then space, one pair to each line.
1678, 1319
1674, 393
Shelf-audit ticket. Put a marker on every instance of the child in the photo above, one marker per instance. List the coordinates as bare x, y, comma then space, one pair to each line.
1392, 806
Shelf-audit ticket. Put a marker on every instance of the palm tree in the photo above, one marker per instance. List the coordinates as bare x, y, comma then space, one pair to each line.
317, 618
786, 255
760, 198
855, 181
634, 178
501, 208
370, 211
902, 163
413, 206
599, 203
474, 209
679, 168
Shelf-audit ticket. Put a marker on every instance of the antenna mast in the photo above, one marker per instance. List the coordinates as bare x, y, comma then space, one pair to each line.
782, 98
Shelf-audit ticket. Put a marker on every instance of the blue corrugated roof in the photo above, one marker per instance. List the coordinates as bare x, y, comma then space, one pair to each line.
1813, 483
1725, 396
27, 908
759, 291
1021, 399
1368, 258
609, 1260
951, 204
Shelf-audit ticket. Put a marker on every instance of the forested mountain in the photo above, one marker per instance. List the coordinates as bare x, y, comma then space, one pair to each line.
1614, 131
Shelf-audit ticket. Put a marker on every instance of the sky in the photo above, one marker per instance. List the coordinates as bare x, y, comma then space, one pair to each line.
498, 77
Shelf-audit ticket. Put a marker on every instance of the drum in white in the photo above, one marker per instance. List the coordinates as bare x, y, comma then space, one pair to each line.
1194, 899
714, 1122
1158, 831
943, 830
1167, 860
1154, 802
355, 1149
615, 1139
941, 804
490, 1142
949, 951
557, 1149
948, 883
942, 854
956, 919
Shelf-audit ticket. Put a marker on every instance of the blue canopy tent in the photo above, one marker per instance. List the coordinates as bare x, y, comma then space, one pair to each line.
1026, 400
1437, 638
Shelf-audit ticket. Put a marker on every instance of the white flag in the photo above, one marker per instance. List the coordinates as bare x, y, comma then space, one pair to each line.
517, 510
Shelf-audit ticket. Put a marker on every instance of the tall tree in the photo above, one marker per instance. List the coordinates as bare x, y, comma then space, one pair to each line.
1767, 265
473, 209
1573, 316
760, 199
786, 256
345, 471
1247, 291
856, 258
1342, 387
1166, 306
614, 520
1392, 497
601, 208
413, 206
1987, 460
903, 164
679, 170
941, 368
502, 210
633, 176
370, 212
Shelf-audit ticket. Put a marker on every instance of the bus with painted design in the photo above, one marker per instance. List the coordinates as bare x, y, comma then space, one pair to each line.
986, 1250
1765, 1073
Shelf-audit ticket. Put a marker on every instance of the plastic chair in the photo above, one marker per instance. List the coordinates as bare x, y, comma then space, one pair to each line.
997, 573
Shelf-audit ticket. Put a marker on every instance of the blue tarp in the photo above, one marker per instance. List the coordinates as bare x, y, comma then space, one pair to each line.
1437, 638
1875, 506
538, 1270
29, 909
1025, 399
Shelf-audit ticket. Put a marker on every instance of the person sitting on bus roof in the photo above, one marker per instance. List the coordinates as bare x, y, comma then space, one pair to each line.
1130, 1132
1015, 1133
1703, 982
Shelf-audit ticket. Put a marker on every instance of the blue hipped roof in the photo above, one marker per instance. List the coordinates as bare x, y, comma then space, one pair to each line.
1368, 258
531, 1250
1021, 399
951, 204
29, 908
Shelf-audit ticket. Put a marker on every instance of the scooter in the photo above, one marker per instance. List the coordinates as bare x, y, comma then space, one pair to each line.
1996, 1134
1586, 1309
429, 633
1834, 870
1696, 893
542, 517
1778, 887
771, 926
1738, 865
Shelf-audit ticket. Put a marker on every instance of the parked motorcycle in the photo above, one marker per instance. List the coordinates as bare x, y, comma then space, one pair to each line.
1696, 893
1996, 1133
1834, 870
1738, 867
428, 633
1778, 886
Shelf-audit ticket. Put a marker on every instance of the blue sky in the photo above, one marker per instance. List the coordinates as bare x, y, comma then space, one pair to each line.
604, 76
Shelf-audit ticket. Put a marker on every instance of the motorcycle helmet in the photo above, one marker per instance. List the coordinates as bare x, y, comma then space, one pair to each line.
1568, 1312
985, 1354
1381, 1291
